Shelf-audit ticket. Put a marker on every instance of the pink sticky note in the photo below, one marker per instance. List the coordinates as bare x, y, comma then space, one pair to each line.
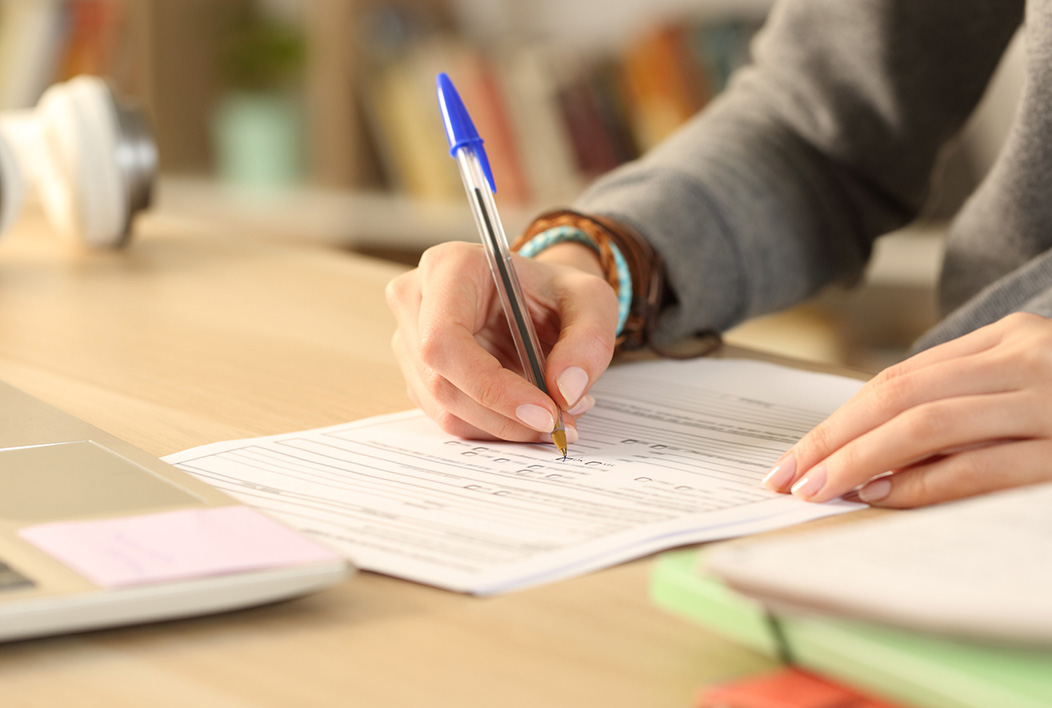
174, 545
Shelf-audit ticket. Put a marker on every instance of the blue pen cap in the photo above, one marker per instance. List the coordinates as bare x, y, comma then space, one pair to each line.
460, 131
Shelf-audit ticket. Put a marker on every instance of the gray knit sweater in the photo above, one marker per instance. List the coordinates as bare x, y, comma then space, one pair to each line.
827, 142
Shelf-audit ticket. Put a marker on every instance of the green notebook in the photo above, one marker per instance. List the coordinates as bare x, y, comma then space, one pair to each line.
909, 667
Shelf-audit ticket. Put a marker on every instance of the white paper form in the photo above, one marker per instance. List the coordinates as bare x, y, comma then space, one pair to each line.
672, 453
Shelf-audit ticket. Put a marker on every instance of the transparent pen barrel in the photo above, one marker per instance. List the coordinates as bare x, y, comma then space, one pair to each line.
499, 255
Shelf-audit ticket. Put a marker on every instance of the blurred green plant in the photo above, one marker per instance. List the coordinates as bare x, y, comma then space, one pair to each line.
263, 55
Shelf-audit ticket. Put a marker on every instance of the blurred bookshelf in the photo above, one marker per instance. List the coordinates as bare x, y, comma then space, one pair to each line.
556, 111
562, 91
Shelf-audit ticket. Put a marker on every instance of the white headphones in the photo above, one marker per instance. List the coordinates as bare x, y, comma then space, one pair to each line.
89, 157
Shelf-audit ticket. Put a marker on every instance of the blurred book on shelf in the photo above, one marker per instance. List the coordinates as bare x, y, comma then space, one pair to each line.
162, 54
666, 80
553, 118
46, 41
555, 111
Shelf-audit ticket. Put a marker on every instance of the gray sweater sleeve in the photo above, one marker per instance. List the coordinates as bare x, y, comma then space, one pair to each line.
827, 141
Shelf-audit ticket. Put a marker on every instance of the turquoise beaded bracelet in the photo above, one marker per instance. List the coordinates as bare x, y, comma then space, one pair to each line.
562, 234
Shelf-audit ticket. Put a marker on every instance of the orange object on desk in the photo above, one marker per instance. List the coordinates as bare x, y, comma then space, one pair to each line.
788, 688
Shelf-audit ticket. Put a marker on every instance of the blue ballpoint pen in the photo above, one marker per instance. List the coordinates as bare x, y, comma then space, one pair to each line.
465, 146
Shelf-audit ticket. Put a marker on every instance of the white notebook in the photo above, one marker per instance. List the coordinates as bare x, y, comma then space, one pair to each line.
976, 568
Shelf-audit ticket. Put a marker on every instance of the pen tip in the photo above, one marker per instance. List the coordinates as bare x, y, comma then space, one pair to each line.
559, 438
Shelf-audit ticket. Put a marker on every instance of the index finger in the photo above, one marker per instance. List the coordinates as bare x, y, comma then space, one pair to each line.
460, 296
951, 369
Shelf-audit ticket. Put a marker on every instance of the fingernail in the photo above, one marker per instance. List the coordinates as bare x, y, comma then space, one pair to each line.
583, 406
811, 484
875, 491
781, 474
535, 417
571, 384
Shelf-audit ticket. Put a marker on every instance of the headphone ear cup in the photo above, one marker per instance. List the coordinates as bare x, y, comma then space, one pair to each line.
80, 178
12, 185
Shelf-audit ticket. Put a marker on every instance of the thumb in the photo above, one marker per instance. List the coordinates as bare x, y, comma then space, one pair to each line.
588, 315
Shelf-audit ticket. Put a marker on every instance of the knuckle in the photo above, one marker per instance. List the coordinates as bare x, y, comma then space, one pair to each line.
888, 375
488, 392
444, 253
450, 423
398, 289
432, 255
1021, 320
1026, 330
816, 445
925, 423
849, 458
976, 471
1035, 357
894, 379
939, 480
431, 350
910, 490
893, 393
598, 340
395, 287
436, 387
967, 469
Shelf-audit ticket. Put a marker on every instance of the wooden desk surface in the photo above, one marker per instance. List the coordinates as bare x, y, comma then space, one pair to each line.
194, 336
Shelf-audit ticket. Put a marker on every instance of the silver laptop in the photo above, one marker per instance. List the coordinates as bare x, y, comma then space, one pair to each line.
96, 533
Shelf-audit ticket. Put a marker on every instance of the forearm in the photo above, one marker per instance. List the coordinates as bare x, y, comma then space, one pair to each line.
781, 186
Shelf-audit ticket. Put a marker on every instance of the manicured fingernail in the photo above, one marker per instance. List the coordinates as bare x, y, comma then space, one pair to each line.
781, 474
571, 384
811, 483
535, 417
875, 491
583, 406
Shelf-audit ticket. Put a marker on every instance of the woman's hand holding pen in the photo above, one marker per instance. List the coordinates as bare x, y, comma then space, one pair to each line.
966, 417
456, 353
970, 416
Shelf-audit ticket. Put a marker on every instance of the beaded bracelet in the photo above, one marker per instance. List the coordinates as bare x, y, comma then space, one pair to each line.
639, 268
637, 265
622, 283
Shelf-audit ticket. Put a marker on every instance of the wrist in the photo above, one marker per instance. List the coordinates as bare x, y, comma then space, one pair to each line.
629, 264
544, 235
575, 255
